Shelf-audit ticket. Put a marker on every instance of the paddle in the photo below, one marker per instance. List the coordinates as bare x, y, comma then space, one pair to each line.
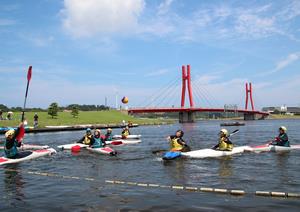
234, 132
21, 127
29, 73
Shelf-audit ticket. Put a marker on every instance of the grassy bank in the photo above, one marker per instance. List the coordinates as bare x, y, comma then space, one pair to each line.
89, 117
273, 116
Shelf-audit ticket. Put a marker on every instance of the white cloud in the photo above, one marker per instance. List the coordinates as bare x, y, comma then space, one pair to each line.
290, 11
93, 17
254, 26
164, 7
283, 63
159, 72
291, 58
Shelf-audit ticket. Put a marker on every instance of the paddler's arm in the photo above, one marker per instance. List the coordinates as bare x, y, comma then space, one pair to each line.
81, 140
216, 146
228, 141
181, 142
92, 141
17, 132
283, 138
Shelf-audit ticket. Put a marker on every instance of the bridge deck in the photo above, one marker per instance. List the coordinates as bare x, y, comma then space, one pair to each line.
168, 110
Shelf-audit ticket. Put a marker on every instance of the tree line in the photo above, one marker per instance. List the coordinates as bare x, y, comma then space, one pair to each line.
83, 107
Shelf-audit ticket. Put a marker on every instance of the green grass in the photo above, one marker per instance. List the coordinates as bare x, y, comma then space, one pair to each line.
90, 117
279, 116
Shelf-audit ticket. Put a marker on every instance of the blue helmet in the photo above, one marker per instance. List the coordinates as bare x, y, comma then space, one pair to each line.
88, 130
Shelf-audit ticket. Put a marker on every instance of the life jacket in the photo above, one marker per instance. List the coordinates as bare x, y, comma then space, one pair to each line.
175, 146
125, 133
87, 139
283, 140
13, 151
223, 146
108, 137
98, 142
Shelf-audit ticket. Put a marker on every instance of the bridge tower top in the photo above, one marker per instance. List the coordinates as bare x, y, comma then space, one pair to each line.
186, 82
249, 95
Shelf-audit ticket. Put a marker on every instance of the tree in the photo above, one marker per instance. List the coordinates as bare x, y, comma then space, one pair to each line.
53, 109
75, 111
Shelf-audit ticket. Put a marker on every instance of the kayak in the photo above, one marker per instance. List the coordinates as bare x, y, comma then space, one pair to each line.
271, 148
128, 137
204, 153
211, 153
69, 146
122, 142
29, 147
4, 129
27, 155
104, 150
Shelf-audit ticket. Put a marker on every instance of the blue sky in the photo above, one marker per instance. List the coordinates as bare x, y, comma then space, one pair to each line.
82, 51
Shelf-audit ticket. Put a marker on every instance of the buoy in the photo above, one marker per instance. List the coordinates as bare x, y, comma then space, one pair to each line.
125, 100
76, 148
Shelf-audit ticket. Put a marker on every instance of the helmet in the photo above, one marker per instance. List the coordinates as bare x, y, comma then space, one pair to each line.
109, 129
181, 133
224, 131
97, 131
283, 128
88, 130
9, 133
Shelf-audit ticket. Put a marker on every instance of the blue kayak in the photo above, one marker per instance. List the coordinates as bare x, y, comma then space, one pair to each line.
171, 155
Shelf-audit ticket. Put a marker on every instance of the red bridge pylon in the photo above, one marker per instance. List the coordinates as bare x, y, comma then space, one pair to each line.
249, 95
186, 81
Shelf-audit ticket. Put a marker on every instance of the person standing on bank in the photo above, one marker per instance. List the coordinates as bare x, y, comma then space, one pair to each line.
35, 120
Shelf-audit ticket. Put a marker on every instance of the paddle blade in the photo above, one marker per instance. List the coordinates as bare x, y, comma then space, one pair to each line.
115, 143
234, 132
21, 133
29, 73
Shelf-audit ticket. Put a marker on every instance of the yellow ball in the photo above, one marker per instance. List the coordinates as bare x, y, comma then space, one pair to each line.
125, 100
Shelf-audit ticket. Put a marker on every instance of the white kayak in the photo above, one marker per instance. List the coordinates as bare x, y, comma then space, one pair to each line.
103, 150
271, 148
211, 153
69, 146
128, 137
27, 155
29, 147
123, 142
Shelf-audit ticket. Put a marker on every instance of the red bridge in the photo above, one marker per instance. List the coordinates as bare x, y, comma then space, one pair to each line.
188, 114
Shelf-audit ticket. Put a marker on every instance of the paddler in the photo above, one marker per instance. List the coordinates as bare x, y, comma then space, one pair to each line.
97, 140
177, 143
224, 142
125, 132
108, 136
11, 143
87, 139
282, 139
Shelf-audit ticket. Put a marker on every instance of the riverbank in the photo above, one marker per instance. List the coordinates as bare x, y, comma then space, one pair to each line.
107, 118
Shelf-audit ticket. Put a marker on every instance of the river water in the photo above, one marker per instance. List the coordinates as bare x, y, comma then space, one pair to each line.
250, 172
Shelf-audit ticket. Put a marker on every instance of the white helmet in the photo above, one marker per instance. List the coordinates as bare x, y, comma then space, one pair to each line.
224, 131
283, 128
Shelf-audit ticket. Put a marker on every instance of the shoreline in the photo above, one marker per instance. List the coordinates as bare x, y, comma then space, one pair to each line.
62, 128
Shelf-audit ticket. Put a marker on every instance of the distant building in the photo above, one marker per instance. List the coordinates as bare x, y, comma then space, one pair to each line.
293, 110
282, 110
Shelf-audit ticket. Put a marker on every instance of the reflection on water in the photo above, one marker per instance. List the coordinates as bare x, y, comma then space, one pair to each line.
225, 167
13, 185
